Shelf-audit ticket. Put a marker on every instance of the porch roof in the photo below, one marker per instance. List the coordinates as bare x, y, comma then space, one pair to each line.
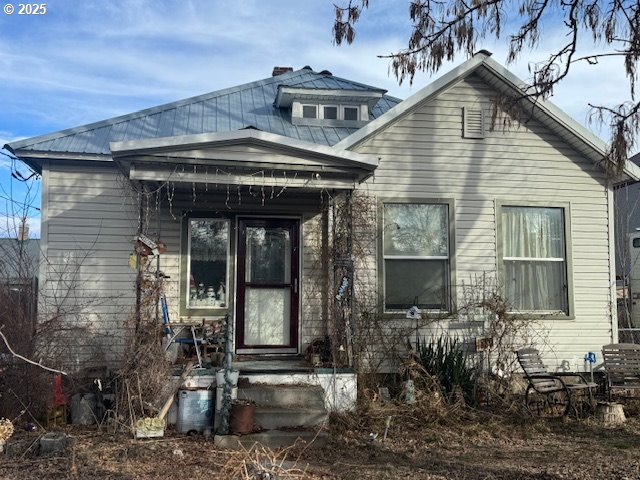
244, 157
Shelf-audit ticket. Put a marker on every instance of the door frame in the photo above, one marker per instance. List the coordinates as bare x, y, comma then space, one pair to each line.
296, 272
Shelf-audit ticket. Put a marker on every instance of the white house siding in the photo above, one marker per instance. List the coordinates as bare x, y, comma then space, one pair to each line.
89, 220
424, 155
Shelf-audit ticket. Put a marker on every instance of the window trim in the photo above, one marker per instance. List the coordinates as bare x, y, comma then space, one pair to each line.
450, 202
185, 256
330, 105
343, 112
314, 105
298, 118
568, 247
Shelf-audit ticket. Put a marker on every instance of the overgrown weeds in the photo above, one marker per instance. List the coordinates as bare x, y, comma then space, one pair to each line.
446, 361
145, 370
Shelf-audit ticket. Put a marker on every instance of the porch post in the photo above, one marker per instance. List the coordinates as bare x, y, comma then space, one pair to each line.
343, 277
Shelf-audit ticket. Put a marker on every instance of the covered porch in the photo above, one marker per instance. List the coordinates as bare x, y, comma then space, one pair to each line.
248, 219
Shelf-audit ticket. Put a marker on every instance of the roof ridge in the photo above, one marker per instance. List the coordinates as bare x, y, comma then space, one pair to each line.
153, 110
364, 86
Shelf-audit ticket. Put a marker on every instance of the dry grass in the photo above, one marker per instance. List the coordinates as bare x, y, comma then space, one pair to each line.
472, 445
427, 440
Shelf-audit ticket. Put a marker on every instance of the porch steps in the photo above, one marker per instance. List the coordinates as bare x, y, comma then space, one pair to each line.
308, 396
293, 417
286, 406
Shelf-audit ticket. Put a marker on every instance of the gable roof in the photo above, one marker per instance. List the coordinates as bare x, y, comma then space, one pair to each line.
580, 138
231, 109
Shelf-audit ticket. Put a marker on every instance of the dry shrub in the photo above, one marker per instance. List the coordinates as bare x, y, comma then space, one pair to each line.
631, 406
373, 413
262, 463
145, 370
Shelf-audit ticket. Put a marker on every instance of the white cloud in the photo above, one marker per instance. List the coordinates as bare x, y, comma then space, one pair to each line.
111, 58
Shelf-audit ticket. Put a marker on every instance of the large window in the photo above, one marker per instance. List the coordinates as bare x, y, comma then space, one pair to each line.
535, 259
416, 256
208, 264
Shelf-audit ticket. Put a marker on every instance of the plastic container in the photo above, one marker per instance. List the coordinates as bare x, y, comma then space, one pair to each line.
85, 409
195, 410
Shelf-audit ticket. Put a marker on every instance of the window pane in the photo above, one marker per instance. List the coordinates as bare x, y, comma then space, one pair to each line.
350, 113
416, 229
266, 314
533, 232
536, 285
268, 257
209, 243
309, 111
415, 282
330, 113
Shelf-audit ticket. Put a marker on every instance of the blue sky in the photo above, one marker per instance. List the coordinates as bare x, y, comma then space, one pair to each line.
88, 60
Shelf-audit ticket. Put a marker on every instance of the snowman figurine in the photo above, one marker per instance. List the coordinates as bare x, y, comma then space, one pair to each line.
211, 300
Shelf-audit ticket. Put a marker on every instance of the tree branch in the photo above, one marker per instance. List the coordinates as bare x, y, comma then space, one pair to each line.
25, 359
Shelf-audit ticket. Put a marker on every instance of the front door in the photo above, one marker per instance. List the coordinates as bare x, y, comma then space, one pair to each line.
267, 297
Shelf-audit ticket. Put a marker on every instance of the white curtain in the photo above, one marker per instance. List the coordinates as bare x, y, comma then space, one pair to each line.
534, 258
266, 316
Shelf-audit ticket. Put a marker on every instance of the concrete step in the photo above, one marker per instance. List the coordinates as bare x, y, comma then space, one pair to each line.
277, 417
273, 439
285, 396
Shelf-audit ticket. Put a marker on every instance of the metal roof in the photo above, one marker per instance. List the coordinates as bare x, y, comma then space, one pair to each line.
248, 105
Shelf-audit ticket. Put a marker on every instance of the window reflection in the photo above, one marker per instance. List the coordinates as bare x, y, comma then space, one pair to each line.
208, 252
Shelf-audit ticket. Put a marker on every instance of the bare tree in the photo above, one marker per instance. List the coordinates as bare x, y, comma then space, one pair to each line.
443, 29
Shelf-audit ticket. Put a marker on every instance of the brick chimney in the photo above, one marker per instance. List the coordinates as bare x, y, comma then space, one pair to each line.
280, 70
23, 231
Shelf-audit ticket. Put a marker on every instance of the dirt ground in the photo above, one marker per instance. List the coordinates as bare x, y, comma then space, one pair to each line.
474, 445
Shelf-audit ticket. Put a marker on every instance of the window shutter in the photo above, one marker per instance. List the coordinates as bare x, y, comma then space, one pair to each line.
472, 123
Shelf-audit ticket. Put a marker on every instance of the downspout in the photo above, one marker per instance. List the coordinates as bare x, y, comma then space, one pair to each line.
612, 264
139, 266
325, 263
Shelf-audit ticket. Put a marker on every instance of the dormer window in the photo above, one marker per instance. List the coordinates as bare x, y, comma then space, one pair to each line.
351, 113
322, 114
324, 107
309, 111
330, 112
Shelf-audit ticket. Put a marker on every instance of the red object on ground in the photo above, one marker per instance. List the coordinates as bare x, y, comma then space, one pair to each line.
59, 398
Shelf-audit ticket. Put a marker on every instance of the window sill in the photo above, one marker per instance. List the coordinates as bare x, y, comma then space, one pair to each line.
533, 315
426, 315
203, 312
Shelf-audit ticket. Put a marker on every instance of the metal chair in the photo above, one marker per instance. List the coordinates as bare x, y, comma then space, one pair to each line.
549, 394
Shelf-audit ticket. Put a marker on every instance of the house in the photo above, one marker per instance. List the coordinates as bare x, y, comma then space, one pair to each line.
19, 259
306, 205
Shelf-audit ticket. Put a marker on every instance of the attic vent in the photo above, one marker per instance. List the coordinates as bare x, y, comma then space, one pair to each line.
472, 123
